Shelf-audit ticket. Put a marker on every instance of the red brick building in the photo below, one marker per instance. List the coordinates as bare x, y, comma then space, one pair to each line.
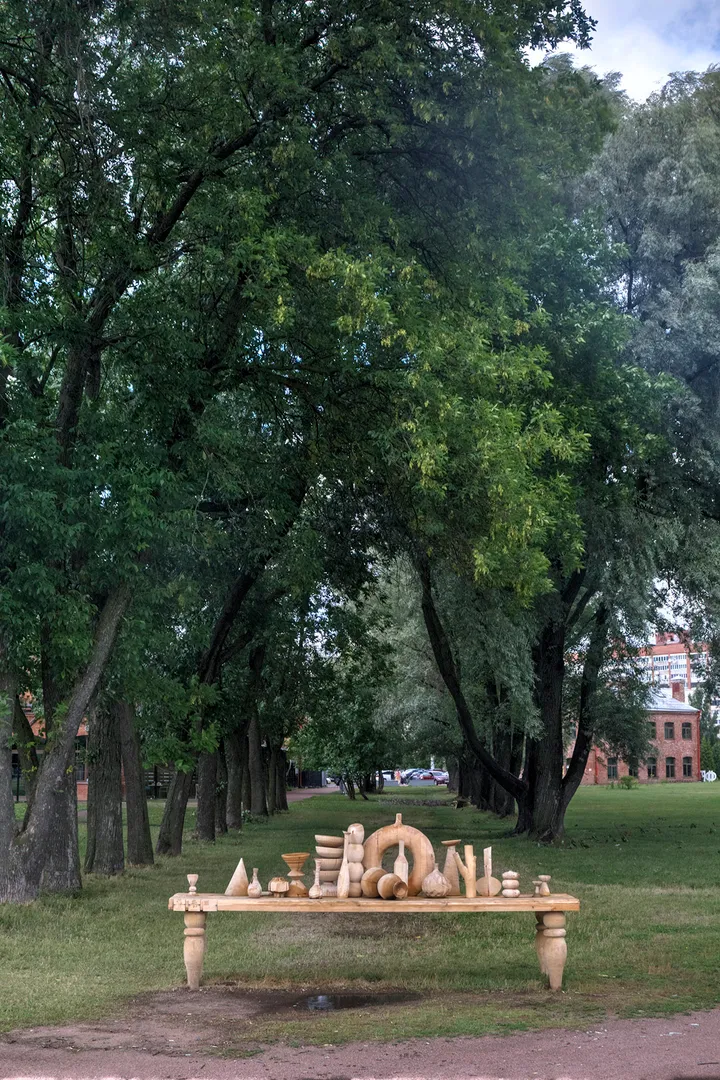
675, 734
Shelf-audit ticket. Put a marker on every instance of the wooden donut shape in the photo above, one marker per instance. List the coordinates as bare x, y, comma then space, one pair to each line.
417, 844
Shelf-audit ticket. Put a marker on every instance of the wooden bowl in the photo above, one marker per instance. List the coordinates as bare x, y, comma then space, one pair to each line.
330, 841
329, 864
328, 852
329, 875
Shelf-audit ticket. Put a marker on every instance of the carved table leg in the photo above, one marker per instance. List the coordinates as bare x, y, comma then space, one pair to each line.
194, 947
551, 947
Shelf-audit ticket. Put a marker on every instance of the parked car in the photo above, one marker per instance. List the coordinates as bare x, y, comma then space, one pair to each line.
441, 776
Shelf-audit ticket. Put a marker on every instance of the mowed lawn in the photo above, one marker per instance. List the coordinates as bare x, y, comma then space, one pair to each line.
644, 863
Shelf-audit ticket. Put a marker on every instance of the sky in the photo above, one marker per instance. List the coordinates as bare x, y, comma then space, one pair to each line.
646, 40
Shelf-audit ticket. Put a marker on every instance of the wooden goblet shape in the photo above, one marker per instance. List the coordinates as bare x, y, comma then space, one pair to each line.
295, 862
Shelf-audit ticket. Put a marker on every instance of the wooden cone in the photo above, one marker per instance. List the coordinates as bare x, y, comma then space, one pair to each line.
238, 884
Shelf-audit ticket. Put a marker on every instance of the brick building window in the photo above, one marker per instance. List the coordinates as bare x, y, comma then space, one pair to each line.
632, 769
687, 730
612, 768
687, 766
669, 768
652, 729
652, 768
669, 729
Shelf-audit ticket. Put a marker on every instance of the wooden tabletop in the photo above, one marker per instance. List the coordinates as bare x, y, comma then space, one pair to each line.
414, 904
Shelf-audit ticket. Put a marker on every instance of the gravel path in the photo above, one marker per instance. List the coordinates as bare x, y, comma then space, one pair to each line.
677, 1048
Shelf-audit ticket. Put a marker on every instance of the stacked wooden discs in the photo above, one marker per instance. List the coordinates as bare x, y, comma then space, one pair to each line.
510, 883
329, 851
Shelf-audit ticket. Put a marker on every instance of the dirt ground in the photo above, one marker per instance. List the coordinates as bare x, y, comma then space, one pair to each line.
177, 1035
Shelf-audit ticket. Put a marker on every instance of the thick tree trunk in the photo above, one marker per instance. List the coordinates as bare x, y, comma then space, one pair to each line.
380, 783
105, 854
235, 744
169, 841
256, 767
281, 781
350, 787
139, 842
221, 782
546, 808
31, 851
206, 787
453, 775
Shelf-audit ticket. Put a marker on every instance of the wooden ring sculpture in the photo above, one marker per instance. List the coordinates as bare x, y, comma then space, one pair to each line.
417, 843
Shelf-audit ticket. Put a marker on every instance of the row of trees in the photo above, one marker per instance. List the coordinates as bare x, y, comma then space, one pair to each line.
319, 414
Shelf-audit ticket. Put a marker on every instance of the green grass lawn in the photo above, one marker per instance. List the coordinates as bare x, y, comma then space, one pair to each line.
644, 864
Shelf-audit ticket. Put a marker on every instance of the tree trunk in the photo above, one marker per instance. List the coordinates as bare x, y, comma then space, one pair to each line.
350, 787
207, 767
221, 825
139, 841
380, 784
453, 774
546, 809
246, 774
256, 767
105, 854
281, 780
26, 746
235, 744
272, 780
61, 872
169, 841
256, 764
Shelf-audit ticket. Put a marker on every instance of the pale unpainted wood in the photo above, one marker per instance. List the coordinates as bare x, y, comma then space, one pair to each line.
194, 949
416, 904
415, 841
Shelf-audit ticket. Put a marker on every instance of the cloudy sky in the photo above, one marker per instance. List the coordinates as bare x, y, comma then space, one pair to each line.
648, 39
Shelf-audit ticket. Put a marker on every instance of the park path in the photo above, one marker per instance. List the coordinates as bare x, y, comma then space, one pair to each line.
683, 1047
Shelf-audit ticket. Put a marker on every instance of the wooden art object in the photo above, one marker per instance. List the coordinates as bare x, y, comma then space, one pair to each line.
329, 864
330, 851
436, 885
544, 880
468, 870
400, 866
329, 888
357, 833
450, 870
487, 885
278, 886
329, 876
192, 882
415, 841
510, 883
355, 869
551, 946
354, 889
355, 852
295, 862
369, 881
343, 878
392, 887
255, 888
315, 891
238, 884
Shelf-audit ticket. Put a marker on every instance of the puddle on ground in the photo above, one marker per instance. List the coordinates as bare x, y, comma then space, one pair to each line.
331, 1002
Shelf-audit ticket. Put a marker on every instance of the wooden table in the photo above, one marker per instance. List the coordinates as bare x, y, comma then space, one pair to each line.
549, 912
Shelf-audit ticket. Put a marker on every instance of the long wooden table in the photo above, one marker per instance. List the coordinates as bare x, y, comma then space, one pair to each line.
549, 912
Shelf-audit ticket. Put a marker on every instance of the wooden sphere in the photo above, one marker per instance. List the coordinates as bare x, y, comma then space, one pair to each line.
481, 886
355, 853
356, 871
